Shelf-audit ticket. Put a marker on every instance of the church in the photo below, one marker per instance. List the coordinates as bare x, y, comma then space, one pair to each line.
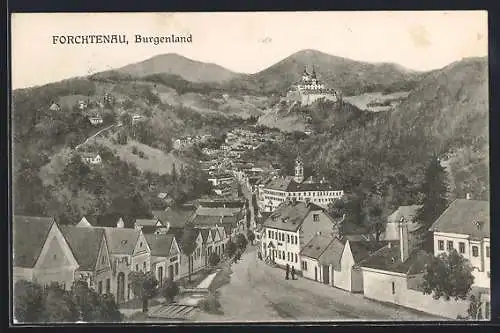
280, 189
310, 89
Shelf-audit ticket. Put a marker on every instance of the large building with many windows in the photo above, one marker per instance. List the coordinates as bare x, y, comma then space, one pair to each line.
292, 226
278, 189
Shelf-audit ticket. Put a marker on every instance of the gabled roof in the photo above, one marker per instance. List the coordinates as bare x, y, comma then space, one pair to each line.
316, 246
389, 259
85, 244
84, 223
176, 216
121, 240
146, 222
289, 216
332, 254
178, 234
205, 233
160, 245
408, 212
279, 183
466, 217
30, 234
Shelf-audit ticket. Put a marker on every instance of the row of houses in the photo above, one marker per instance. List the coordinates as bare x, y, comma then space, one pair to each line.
104, 256
302, 235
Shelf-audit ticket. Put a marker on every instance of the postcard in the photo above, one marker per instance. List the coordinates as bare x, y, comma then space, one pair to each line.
255, 167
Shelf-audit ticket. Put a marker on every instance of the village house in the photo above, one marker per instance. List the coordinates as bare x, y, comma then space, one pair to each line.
95, 120
198, 259
174, 217
208, 243
279, 189
90, 250
408, 214
465, 227
54, 107
165, 256
129, 252
41, 254
220, 178
82, 105
91, 158
151, 226
290, 227
316, 257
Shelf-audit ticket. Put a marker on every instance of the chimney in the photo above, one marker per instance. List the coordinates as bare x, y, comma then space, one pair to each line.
403, 239
468, 196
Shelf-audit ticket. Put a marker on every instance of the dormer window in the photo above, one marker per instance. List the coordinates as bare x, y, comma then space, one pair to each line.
479, 224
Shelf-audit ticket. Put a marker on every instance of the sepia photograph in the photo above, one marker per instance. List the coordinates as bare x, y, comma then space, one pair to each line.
249, 167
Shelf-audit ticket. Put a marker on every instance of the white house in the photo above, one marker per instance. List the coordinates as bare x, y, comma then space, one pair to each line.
318, 256
217, 179
92, 158
96, 120
290, 227
465, 227
278, 189
41, 253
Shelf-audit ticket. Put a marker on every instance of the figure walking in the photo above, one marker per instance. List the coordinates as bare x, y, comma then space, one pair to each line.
293, 273
287, 271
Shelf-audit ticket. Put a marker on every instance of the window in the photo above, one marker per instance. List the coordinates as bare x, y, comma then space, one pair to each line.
487, 252
316, 217
461, 247
108, 286
144, 266
441, 245
140, 244
449, 245
283, 255
475, 251
288, 256
296, 257
100, 287
136, 268
393, 288
304, 265
288, 238
279, 254
269, 233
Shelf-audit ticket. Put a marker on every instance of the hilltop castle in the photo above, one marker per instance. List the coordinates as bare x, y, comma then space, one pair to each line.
310, 89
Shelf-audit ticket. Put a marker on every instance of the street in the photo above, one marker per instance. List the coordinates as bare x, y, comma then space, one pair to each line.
258, 292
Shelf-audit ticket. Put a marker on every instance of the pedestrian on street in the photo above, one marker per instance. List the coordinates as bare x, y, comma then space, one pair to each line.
287, 271
293, 273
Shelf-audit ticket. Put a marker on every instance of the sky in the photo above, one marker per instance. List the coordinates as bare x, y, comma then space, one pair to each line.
243, 42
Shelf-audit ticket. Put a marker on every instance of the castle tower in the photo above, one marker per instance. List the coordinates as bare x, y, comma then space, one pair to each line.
299, 170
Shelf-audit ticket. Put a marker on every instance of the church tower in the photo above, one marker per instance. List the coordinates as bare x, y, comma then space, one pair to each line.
299, 170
